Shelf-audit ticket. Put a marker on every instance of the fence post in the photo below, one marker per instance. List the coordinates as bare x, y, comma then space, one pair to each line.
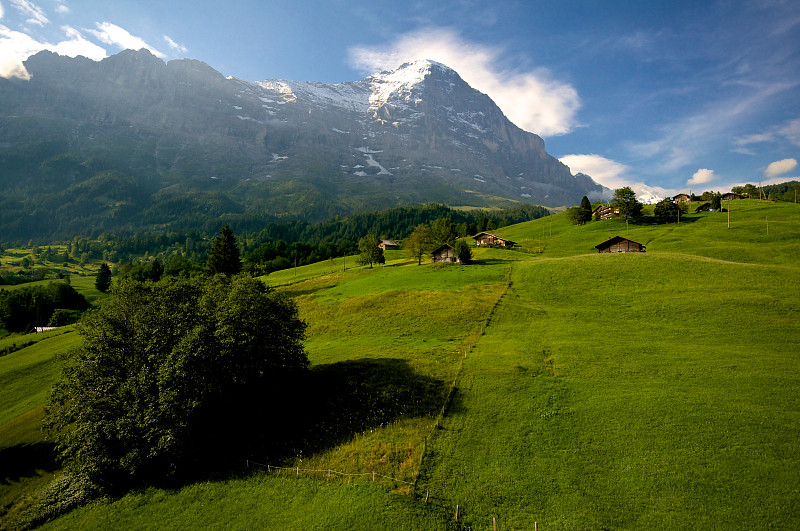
494, 523
426, 495
456, 513
298, 471
373, 477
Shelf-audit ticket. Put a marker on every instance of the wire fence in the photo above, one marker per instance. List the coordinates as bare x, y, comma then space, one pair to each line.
330, 472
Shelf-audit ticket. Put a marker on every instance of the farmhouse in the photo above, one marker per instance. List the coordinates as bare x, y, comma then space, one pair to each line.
605, 212
490, 240
681, 198
618, 244
731, 197
445, 254
389, 245
705, 207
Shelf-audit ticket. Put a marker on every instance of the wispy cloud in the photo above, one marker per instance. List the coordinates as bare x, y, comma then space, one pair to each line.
174, 45
702, 176
531, 99
116, 36
31, 10
16, 47
789, 131
779, 167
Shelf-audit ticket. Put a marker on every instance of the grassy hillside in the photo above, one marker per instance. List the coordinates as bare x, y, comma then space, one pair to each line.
548, 385
26, 375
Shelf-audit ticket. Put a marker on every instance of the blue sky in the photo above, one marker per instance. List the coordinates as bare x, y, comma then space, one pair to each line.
662, 96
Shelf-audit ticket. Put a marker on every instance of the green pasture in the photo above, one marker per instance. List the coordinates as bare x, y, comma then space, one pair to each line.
591, 391
629, 392
26, 375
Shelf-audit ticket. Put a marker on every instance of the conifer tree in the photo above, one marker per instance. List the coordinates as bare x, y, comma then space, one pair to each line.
223, 257
103, 280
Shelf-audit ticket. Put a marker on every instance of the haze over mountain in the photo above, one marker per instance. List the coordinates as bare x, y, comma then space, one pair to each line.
133, 142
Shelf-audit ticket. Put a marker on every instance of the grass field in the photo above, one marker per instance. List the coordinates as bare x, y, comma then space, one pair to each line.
628, 391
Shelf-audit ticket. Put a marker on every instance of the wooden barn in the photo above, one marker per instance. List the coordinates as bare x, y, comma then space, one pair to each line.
731, 197
389, 245
681, 198
705, 207
444, 254
618, 244
490, 240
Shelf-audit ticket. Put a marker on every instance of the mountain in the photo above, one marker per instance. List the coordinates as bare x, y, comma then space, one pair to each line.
132, 142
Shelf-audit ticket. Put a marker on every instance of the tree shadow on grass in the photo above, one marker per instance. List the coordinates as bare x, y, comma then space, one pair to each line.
334, 402
25, 461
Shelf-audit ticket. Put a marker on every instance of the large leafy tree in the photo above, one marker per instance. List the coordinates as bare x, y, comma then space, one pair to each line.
625, 200
169, 375
369, 250
418, 244
223, 257
443, 232
666, 211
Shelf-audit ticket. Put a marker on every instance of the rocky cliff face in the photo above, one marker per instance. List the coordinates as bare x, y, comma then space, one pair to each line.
415, 134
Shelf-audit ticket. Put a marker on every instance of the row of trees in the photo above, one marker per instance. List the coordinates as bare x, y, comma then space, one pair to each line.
54, 304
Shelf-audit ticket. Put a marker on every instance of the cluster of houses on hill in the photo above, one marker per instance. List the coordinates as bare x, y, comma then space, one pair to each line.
684, 198
446, 253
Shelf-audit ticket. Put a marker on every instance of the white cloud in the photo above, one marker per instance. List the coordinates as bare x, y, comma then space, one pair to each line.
702, 176
31, 10
62, 9
533, 100
77, 45
607, 172
15, 47
779, 167
613, 174
174, 45
1, 11
116, 36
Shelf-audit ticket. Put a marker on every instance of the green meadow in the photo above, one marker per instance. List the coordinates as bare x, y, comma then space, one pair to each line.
546, 386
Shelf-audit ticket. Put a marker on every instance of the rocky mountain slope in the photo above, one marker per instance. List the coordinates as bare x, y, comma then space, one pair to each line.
132, 142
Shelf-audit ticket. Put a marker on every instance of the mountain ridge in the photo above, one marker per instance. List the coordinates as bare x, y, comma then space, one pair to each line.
416, 134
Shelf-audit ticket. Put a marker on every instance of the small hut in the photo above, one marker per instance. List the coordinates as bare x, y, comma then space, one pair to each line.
389, 245
681, 198
444, 254
705, 207
618, 244
488, 239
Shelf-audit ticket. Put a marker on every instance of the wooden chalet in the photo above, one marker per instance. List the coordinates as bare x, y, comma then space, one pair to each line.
444, 254
681, 198
618, 244
731, 197
605, 212
490, 240
705, 207
389, 245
